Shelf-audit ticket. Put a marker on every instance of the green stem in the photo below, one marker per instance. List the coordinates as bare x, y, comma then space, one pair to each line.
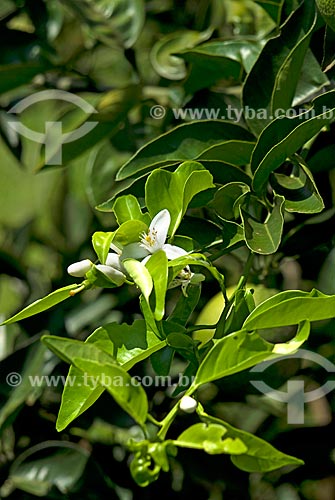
151, 419
168, 420
201, 327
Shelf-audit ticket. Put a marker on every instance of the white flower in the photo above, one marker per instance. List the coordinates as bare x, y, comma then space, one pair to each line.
188, 404
154, 239
79, 269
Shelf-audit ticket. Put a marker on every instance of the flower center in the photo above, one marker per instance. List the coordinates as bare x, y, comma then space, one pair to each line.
149, 239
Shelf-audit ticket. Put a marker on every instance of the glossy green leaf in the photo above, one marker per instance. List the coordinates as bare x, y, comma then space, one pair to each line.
234, 152
127, 208
291, 308
264, 238
129, 232
312, 80
226, 199
291, 134
211, 438
39, 469
99, 368
298, 188
163, 56
225, 172
259, 456
101, 243
273, 8
241, 350
279, 66
128, 344
41, 305
141, 276
131, 397
185, 305
157, 266
175, 190
185, 142
219, 60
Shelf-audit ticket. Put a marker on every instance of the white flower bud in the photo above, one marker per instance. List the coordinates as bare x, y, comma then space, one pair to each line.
79, 269
188, 404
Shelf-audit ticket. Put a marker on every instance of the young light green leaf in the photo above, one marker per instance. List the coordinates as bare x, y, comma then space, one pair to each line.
185, 142
259, 456
129, 232
41, 305
211, 438
290, 308
264, 238
127, 208
157, 266
174, 190
101, 243
141, 276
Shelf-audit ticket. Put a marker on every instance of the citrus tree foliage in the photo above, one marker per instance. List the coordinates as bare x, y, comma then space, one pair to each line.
179, 194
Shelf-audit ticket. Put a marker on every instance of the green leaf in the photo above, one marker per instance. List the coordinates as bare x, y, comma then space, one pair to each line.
290, 135
241, 350
259, 455
273, 8
219, 60
312, 79
231, 354
225, 172
175, 190
128, 344
298, 188
272, 82
211, 438
157, 266
264, 238
129, 232
101, 243
98, 369
62, 467
41, 305
127, 208
233, 152
15, 75
226, 200
185, 142
290, 308
131, 397
141, 276
163, 52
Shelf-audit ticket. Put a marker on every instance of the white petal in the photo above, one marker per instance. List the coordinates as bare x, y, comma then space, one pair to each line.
79, 269
188, 404
134, 251
113, 260
115, 248
173, 252
113, 274
160, 226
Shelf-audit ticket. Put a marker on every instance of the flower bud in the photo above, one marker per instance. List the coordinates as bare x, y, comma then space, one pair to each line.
79, 269
188, 404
